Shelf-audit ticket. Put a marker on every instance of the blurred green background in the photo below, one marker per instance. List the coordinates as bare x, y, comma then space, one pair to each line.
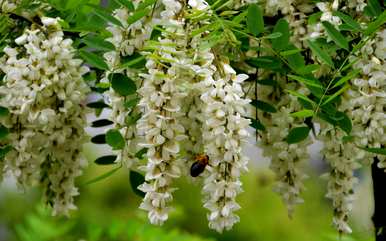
108, 210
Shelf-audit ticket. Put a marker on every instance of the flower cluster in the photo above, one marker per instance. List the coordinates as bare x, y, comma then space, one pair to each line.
224, 130
161, 103
7, 6
127, 39
197, 67
44, 93
343, 159
365, 102
286, 159
327, 9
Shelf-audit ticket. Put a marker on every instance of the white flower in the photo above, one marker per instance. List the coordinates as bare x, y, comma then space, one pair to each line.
49, 21
342, 158
198, 4
47, 117
224, 130
365, 103
286, 159
160, 122
9, 5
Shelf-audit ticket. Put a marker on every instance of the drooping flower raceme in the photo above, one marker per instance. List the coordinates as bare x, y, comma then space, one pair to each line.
197, 66
9, 5
365, 102
287, 159
44, 93
224, 131
161, 103
126, 39
343, 159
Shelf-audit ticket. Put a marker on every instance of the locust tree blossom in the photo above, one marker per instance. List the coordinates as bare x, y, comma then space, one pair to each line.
224, 131
287, 160
161, 103
196, 67
343, 159
9, 5
365, 102
358, 5
327, 9
44, 93
127, 39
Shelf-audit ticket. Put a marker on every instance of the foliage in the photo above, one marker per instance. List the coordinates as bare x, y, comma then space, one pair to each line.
181, 79
39, 225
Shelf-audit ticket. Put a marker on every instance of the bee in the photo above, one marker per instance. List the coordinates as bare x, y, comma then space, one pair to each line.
199, 165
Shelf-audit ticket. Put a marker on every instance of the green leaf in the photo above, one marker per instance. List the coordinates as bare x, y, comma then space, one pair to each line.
255, 21
131, 103
98, 105
335, 35
290, 52
264, 106
257, 125
93, 59
4, 150
3, 132
103, 176
380, 151
295, 61
265, 62
348, 138
99, 43
306, 104
308, 69
72, 4
4, 112
373, 8
133, 61
348, 20
132, 119
346, 27
298, 134
99, 139
376, 24
106, 160
310, 81
103, 14
101, 123
303, 113
90, 76
322, 55
314, 18
141, 153
301, 96
344, 122
115, 139
138, 15
351, 63
346, 78
336, 94
282, 42
126, 3
122, 84
103, 85
145, 3
272, 36
136, 179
